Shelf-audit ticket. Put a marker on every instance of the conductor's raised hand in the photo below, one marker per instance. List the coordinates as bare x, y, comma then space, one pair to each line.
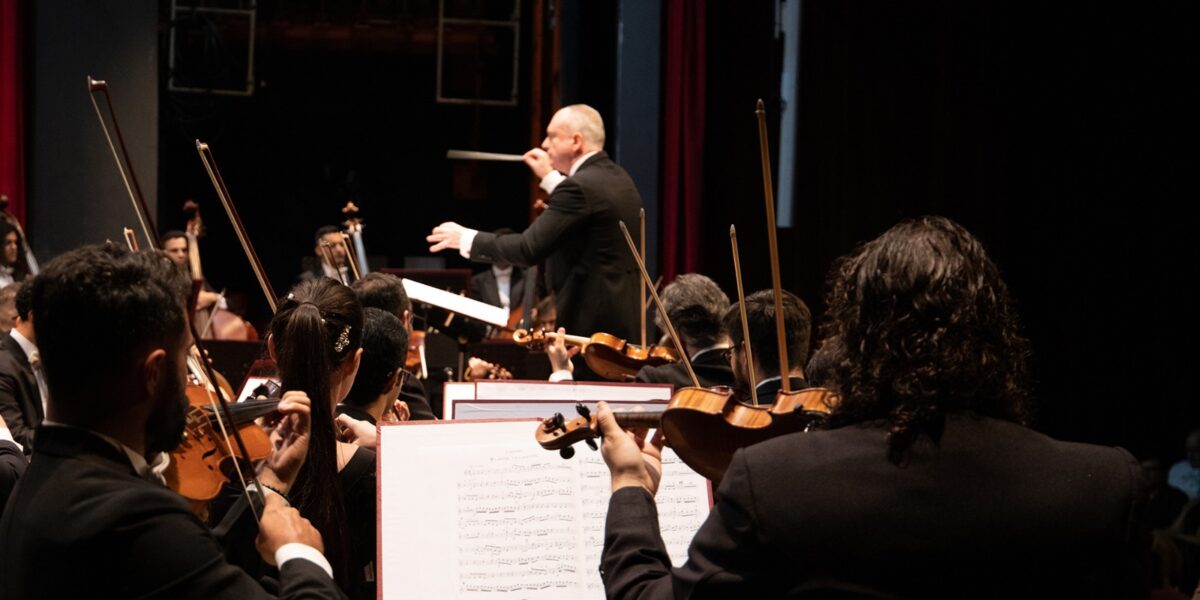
539, 162
633, 460
447, 236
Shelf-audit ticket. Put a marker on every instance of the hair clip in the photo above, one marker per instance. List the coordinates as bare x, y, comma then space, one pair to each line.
343, 340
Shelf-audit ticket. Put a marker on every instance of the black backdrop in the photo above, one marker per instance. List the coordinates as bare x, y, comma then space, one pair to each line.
1060, 135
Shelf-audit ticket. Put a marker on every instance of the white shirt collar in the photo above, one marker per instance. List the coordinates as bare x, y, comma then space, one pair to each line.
579, 162
147, 471
333, 273
23, 342
505, 272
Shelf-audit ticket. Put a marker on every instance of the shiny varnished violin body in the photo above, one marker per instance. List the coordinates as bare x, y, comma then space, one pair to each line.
607, 355
704, 426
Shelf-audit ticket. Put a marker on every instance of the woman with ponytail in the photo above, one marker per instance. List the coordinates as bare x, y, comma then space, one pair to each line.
315, 339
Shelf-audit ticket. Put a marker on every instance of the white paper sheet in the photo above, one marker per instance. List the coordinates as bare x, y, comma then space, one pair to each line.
477, 510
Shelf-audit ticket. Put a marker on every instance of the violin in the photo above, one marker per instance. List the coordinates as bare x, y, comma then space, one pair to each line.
704, 426
203, 461
607, 355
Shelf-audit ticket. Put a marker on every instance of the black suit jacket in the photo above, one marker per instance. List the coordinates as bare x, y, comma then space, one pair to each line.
587, 262
82, 524
20, 399
12, 466
484, 288
711, 369
994, 511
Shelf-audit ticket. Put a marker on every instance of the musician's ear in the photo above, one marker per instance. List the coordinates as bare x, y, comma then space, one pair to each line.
271, 348
393, 383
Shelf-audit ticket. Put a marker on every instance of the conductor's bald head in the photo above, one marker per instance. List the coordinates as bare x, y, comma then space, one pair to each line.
574, 131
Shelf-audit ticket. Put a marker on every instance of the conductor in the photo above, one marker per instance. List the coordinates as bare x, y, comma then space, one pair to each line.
586, 261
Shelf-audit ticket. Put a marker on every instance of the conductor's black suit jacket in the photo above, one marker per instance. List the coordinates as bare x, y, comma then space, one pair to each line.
20, 398
82, 524
995, 510
587, 261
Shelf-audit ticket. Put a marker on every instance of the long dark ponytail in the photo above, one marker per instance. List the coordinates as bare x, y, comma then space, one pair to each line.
317, 329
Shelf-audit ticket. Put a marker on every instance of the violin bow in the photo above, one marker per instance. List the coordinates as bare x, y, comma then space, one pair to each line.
350, 258
210, 165
642, 286
139, 201
769, 195
150, 230
737, 272
662, 310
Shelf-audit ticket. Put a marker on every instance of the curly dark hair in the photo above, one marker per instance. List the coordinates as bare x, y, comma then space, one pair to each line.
920, 324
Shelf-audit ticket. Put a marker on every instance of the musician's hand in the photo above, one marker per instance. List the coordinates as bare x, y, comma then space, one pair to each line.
289, 438
206, 299
282, 524
445, 236
399, 413
360, 433
560, 357
539, 162
633, 460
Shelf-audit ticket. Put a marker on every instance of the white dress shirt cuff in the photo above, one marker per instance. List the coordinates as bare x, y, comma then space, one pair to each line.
5, 434
296, 550
561, 375
551, 181
466, 241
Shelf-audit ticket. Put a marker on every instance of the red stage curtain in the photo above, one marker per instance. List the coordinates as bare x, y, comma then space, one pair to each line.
12, 122
683, 135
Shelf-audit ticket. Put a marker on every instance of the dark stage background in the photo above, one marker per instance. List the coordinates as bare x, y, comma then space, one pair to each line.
1058, 134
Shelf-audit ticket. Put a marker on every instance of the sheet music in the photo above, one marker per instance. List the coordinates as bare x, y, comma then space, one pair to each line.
478, 510
569, 390
492, 315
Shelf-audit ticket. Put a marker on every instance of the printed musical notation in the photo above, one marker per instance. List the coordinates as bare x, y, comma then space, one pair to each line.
505, 519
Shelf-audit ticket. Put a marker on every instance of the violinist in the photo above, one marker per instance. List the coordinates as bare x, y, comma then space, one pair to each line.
315, 340
386, 292
760, 316
375, 395
329, 246
586, 263
90, 517
23, 391
929, 486
696, 305
175, 245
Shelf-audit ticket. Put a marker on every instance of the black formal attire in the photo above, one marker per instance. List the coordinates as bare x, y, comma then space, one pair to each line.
994, 510
12, 466
710, 366
20, 398
81, 523
412, 391
236, 528
587, 263
486, 289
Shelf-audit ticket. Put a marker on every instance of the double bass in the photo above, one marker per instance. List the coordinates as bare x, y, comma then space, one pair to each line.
215, 322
